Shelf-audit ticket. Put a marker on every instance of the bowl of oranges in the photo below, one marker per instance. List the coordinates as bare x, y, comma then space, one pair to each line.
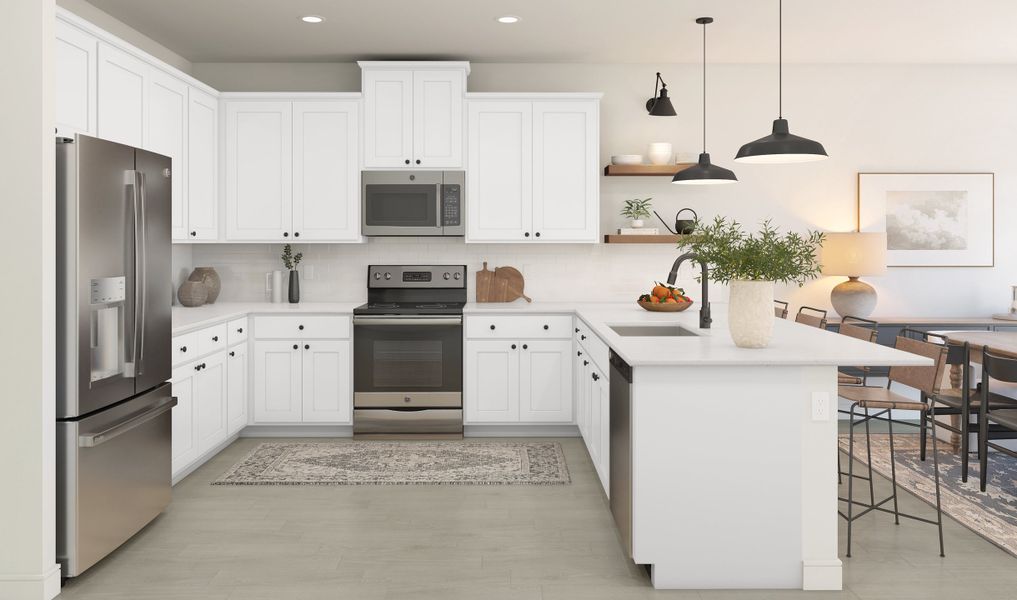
665, 298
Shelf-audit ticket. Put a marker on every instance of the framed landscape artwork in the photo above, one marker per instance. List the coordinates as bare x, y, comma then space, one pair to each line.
930, 219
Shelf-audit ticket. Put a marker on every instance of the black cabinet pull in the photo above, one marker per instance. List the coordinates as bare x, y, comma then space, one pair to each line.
577, 330
546, 327
513, 346
582, 337
307, 346
586, 363
537, 234
232, 353
240, 329
579, 352
525, 346
418, 161
492, 327
296, 347
527, 234
183, 348
300, 327
197, 367
407, 161
296, 234
215, 338
286, 234
194, 233
596, 377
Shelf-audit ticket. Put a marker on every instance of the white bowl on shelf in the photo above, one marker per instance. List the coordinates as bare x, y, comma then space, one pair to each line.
627, 159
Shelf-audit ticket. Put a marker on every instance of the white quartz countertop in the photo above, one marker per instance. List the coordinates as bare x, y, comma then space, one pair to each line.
792, 343
187, 319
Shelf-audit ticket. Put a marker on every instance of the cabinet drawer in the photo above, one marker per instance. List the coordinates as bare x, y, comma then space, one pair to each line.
594, 347
517, 327
237, 331
212, 339
185, 347
302, 328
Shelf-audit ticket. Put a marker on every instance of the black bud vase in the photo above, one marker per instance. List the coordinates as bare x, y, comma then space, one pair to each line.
294, 287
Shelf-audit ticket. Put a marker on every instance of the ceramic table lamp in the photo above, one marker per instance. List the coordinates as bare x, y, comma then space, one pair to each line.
854, 255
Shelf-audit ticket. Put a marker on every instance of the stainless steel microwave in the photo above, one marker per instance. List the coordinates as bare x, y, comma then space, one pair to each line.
424, 203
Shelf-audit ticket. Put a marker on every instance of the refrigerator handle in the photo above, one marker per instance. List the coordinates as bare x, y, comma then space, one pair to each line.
131, 339
140, 269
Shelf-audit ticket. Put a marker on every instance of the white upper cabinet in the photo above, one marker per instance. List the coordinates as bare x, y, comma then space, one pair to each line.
532, 168
413, 114
326, 170
566, 195
122, 84
499, 191
201, 210
165, 133
259, 160
438, 119
75, 65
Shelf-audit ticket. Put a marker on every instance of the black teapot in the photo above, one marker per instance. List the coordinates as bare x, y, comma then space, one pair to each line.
681, 226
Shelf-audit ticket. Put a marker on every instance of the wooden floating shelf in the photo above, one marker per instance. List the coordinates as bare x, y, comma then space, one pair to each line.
644, 170
641, 239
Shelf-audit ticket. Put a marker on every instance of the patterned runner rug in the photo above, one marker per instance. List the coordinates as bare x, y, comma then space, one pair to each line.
362, 462
992, 515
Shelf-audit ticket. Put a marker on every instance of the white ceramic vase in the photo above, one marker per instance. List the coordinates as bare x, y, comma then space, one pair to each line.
660, 153
750, 313
636, 223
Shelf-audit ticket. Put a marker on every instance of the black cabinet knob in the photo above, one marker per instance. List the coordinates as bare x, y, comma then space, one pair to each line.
492, 327
586, 363
240, 329
418, 161
197, 367
307, 346
215, 338
579, 352
286, 234
596, 377
513, 346
183, 348
300, 327
537, 234
232, 353
577, 330
582, 337
296, 347
525, 346
527, 234
296, 234
407, 161
546, 327
194, 233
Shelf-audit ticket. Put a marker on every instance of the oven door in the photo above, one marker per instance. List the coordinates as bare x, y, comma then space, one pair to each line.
408, 362
400, 203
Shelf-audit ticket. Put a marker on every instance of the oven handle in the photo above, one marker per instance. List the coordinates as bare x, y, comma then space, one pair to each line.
407, 320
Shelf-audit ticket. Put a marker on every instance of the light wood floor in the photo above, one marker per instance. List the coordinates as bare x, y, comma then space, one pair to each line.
471, 542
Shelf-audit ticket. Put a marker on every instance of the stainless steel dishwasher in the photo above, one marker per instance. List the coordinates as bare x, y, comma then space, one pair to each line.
621, 448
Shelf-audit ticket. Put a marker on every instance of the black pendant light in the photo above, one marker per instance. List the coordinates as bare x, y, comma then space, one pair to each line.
660, 106
703, 172
781, 146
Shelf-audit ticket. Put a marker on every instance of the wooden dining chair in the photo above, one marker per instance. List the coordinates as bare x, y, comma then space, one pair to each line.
780, 309
1004, 369
816, 317
884, 401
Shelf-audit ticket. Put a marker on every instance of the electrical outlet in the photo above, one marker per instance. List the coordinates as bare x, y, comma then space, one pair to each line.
820, 406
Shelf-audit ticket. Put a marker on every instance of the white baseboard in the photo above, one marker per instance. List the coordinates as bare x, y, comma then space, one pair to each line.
204, 458
822, 575
297, 431
515, 430
44, 586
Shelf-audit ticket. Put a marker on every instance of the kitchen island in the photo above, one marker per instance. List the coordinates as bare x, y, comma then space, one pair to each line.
731, 475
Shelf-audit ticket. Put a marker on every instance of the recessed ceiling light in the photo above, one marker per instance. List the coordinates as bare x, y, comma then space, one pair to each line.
508, 19
312, 19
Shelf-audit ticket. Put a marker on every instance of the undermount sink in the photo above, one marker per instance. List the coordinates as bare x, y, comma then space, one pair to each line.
652, 331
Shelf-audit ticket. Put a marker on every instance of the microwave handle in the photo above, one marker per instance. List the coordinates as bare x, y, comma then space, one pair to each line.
440, 210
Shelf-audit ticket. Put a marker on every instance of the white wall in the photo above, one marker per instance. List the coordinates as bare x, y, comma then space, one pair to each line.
28, 569
945, 118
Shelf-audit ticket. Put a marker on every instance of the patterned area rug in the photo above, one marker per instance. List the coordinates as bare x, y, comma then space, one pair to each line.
992, 515
364, 462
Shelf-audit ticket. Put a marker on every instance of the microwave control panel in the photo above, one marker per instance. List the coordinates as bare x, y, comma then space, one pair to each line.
451, 201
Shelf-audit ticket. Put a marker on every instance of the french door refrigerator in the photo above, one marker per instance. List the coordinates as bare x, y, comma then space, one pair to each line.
113, 346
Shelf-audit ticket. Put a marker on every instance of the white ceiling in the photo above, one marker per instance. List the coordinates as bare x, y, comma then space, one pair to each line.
595, 31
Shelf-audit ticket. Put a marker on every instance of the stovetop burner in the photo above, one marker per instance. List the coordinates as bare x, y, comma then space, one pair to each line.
409, 308
414, 290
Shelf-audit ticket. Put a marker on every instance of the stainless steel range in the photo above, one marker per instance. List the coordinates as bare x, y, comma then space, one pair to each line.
408, 351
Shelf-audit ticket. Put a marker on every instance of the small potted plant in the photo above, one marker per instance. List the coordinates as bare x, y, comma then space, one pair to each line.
291, 261
636, 210
751, 263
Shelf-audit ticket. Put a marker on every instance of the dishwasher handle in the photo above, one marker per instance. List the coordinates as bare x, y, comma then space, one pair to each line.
92, 440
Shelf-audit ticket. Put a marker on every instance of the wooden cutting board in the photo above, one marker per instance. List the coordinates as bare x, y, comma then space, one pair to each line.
504, 284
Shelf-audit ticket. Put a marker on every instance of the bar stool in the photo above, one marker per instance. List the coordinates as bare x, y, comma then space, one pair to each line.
780, 309
815, 317
1003, 369
926, 380
861, 329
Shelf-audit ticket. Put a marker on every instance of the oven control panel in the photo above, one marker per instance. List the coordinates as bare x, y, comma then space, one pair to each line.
416, 276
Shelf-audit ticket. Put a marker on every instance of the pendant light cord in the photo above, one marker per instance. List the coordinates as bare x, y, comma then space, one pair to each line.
704, 88
780, 59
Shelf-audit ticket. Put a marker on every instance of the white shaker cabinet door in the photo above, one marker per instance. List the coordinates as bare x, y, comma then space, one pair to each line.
327, 384
210, 402
326, 171
75, 65
438, 119
202, 167
388, 118
566, 178
120, 103
277, 382
600, 393
545, 381
184, 441
492, 382
236, 388
259, 157
165, 133
499, 185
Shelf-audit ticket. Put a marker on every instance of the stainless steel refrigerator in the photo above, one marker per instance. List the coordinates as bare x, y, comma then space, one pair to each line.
113, 346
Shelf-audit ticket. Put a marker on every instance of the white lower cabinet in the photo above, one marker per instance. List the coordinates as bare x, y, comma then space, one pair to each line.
545, 376
210, 402
492, 382
236, 388
184, 440
593, 400
302, 381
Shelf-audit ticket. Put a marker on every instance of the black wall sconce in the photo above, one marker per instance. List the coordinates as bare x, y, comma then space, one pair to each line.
660, 106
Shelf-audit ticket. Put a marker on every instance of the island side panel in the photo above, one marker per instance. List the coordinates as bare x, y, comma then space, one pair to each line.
734, 483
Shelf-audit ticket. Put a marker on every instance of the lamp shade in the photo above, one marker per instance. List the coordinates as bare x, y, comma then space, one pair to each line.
661, 106
854, 254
